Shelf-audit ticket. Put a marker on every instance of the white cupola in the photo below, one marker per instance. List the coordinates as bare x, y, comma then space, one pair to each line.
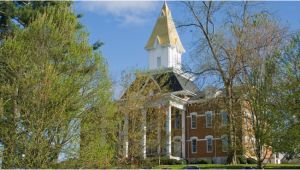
164, 46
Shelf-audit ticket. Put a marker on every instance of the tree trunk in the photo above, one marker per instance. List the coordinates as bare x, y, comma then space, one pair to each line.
259, 155
232, 128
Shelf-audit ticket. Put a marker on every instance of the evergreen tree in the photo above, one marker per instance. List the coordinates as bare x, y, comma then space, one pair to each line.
18, 14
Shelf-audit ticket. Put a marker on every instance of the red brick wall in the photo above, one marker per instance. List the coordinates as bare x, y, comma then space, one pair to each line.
201, 131
201, 150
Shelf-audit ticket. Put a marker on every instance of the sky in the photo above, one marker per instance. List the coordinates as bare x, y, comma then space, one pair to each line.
125, 26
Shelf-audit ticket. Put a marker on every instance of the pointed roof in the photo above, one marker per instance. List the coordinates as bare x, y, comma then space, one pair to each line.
168, 81
164, 31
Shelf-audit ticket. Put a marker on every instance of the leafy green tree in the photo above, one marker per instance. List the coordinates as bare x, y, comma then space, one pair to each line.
259, 93
287, 136
55, 92
259, 79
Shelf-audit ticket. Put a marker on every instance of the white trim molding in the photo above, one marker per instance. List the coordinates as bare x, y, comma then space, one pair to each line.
177, 105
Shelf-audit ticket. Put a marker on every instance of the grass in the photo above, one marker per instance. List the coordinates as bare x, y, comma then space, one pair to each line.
237, 166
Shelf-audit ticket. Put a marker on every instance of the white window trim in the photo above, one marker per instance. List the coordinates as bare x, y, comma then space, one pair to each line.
212, 143
191, 114
194, 138
222, 138
211, 114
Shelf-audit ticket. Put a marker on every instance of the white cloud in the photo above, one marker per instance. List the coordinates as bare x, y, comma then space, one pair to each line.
125, 12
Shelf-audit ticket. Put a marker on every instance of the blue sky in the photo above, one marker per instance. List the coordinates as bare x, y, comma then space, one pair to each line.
125, 27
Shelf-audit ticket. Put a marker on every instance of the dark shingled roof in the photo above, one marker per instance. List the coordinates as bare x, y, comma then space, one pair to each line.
175, 82
168, 81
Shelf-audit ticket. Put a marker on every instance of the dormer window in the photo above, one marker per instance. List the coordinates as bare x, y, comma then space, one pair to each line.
158, 62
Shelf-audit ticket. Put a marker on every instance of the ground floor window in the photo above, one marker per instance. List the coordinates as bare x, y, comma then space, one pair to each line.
209, 144
224, 143
194, 145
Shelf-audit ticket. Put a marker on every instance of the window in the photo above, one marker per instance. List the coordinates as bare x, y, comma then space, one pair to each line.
1, 153
208, 119
177, 120
193, 120
194, 145
209, 144
158, 62
224, 118
224, 139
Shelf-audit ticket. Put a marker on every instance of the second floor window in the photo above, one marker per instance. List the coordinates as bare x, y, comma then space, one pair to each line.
224, 118
193, 121
208, 119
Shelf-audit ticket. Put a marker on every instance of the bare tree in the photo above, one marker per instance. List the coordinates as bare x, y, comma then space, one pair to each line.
224, 45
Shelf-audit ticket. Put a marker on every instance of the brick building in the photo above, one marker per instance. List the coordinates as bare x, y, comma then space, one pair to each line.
195, 122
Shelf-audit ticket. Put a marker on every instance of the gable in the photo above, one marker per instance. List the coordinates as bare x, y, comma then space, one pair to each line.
166, 82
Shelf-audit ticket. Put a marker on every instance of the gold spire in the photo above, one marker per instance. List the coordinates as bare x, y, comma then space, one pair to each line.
164, 31
165, 10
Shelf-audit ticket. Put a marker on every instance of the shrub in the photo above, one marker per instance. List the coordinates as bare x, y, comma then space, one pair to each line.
198, 162
251, 161
191, 167
167, 161
242, 159
147, 163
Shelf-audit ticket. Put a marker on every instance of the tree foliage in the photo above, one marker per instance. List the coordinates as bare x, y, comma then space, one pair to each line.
54, 93
287, 134
18, 14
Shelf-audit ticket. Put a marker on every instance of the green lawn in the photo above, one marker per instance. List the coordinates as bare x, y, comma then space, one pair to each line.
238, 166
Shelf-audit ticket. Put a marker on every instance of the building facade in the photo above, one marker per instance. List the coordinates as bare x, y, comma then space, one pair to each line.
195, 123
